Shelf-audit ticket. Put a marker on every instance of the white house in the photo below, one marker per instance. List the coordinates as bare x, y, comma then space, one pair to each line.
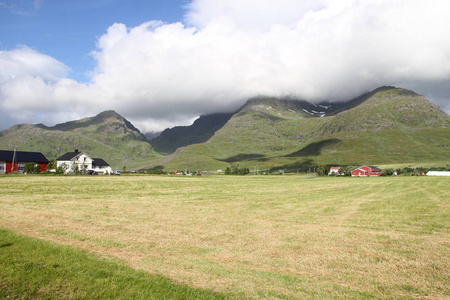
101, 166
77, 161
334, 171
438, 173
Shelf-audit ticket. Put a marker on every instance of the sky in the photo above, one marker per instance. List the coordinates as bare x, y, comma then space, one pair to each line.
164, 63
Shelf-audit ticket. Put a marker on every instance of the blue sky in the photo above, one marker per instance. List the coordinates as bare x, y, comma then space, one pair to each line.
164, 63
67, 30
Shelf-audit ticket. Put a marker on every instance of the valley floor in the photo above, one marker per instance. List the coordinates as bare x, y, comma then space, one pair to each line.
278, 237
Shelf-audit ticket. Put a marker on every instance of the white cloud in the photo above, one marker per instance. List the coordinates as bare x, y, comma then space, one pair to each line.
21, 7
27, 86
25, 61
160, 75
258, 15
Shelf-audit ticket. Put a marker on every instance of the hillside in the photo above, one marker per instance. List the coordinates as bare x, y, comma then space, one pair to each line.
107, 135
388, 125
199, 132
261, 108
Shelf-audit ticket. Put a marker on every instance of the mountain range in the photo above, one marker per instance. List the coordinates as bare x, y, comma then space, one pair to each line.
107, 135
386, 126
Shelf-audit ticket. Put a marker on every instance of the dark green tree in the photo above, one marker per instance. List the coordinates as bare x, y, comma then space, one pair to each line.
32, 168
387, 172
228, 171
29, 168
51, 165
37, 168
322, 170
235, 170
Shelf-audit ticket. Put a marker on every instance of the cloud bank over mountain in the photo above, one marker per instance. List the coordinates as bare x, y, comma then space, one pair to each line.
160, 75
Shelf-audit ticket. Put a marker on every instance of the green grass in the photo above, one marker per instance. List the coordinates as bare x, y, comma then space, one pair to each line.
34, 269
276, 237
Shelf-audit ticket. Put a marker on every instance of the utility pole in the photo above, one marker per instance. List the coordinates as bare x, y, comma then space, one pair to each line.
256, 170
14, 157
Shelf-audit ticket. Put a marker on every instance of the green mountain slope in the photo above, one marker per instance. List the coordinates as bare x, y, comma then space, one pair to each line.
388, 125
107, 135
199, 132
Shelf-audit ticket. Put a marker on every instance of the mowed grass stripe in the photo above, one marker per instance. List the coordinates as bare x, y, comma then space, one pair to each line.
35, 269
255, 236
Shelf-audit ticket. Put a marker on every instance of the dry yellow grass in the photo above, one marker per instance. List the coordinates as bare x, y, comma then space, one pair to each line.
258, 237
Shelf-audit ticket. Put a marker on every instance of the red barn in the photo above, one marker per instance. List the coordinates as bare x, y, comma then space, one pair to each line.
14, 161
366, 171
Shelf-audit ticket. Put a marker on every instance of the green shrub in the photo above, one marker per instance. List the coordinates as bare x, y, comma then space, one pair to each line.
235, 170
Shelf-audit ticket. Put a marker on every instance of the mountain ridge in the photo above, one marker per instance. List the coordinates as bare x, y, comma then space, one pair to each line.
394, 124
107, 135
199, 132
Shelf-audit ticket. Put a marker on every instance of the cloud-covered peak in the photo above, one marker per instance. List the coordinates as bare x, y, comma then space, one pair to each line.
160, 75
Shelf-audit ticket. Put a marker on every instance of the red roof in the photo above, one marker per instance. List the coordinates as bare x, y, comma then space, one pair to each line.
367, 170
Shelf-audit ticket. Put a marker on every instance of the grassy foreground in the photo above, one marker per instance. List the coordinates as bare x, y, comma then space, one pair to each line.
247, 237
34, 269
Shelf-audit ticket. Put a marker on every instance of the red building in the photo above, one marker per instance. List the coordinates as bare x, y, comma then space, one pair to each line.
366, 171
14, 161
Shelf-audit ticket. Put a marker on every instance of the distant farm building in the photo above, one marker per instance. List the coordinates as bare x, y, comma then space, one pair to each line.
14, 161
334, 171
366, 171
81, 162
438, 173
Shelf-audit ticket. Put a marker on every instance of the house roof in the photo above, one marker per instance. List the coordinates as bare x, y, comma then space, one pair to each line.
373, 167
99, 162
369, 167
70, 155
23, 156
335, 168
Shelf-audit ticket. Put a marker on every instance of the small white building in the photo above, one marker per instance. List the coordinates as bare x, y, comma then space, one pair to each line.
101, 166
438, 173
334, 171
73, 162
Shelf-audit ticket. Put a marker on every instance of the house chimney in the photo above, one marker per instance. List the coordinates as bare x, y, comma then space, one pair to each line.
76, 151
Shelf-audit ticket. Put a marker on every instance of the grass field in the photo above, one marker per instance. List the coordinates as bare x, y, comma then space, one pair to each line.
276, 237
